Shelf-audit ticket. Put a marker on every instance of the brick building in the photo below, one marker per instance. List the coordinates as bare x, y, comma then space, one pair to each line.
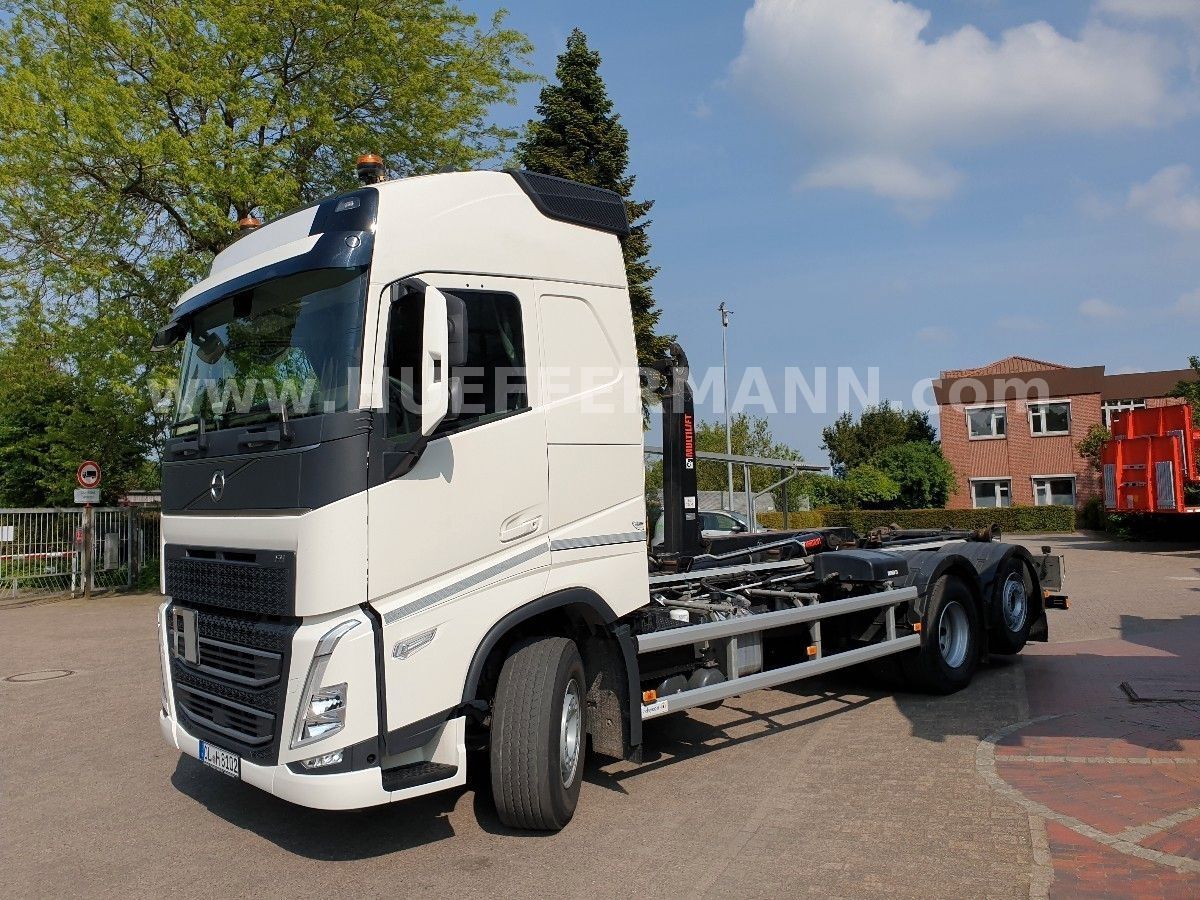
1010, 429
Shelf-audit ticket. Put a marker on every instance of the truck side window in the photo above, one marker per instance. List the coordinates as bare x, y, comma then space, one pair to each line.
493, 378
403, 367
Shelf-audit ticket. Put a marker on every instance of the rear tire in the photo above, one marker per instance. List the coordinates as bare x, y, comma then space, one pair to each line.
1014, 599
538, 738
950, 632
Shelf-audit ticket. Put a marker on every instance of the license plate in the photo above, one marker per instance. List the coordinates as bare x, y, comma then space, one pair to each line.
221, 760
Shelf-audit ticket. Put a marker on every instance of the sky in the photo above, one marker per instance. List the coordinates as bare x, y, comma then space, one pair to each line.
907, 187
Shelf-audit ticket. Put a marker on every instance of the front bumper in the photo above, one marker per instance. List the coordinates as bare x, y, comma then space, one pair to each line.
344, 790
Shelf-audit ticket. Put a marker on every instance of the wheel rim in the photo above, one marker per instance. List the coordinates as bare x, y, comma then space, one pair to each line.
954, 632
570, 733
1014, 602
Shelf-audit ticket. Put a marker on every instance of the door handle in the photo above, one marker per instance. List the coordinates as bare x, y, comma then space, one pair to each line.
510, 532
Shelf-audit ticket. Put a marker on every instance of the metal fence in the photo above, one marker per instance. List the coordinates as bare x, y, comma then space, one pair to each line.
42, 550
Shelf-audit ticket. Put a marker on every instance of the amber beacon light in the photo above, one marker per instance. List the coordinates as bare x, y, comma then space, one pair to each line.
369, 168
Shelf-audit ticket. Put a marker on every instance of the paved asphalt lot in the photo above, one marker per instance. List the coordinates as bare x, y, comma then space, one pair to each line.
836, 788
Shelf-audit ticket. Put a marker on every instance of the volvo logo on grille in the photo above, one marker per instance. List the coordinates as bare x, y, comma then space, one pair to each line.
218, 485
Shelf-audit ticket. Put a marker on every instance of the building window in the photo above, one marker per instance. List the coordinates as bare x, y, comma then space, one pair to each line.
990, 492
986, 422
1112, 407
1050, 418
1054, 490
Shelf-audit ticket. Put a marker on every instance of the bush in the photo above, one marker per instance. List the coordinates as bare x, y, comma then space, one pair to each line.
814, 518
1011, 519
1093, 515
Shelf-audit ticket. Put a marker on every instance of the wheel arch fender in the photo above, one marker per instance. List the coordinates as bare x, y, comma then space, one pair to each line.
926, 567
579, 613
979, 563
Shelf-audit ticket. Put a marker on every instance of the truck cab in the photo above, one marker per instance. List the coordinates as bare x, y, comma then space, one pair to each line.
404, 412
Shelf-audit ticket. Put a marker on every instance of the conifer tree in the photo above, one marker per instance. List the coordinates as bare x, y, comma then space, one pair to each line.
578, 136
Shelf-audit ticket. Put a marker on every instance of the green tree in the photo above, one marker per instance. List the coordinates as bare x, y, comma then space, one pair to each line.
1092, 445
1189, 390
133, 134
34, 394
750, 436
61, 403
578, 136
852, 443
924, 477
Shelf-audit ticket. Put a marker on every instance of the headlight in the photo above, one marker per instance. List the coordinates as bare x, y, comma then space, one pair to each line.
322, 711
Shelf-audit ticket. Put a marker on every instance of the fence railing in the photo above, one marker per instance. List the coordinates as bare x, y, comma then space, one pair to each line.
42, 550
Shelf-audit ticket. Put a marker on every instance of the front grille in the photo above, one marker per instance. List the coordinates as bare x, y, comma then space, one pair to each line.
253, 581
234, 693
241, 723
243, 665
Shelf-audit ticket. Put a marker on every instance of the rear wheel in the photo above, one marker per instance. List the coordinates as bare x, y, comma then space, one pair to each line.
538, 739
949, 651
1014, 598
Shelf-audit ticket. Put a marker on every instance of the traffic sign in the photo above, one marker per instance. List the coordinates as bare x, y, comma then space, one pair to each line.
87, 495
88, 475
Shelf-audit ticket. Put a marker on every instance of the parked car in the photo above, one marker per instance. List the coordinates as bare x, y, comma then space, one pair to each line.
713, 523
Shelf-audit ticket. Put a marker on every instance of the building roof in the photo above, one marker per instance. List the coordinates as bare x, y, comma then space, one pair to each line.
1140, 385
1006, 365
1022, 378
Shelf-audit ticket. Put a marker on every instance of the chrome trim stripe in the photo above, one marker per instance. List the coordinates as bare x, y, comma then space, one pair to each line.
598, 540
462, 585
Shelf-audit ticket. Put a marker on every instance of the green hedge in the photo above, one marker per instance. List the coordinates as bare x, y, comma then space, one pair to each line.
1011, 519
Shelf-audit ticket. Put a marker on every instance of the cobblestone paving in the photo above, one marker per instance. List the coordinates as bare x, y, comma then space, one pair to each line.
1114, 784
836, 788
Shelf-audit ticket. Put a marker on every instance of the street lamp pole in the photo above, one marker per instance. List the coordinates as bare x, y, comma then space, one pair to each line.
725, 381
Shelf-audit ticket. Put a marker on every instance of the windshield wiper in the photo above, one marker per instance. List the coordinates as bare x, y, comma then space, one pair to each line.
259, 439
198, 444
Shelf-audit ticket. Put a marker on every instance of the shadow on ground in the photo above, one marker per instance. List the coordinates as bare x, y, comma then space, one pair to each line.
319, 834
992, 701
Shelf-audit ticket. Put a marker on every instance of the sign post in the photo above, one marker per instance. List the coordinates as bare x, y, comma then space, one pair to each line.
88, 476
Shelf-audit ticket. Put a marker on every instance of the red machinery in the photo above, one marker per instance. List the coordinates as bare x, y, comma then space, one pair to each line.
1150, 459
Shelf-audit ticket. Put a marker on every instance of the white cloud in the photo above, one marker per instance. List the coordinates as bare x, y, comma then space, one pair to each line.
1098, 309
935, 334
1152, 10
1188, 304
1171, 198
878, 106
886, 176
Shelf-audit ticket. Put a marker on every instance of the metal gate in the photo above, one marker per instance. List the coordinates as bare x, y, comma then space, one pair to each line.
41, 550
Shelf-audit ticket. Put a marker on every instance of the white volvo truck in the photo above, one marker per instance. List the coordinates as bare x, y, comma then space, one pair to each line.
434, 553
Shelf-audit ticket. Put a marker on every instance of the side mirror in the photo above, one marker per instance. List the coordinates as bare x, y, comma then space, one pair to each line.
168, 336
435, 362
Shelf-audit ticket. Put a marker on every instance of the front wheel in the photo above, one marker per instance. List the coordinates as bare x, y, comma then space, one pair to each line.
538, 736
949, 651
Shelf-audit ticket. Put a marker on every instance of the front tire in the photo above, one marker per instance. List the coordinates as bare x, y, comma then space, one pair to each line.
538, 739
949, 651
1014, 600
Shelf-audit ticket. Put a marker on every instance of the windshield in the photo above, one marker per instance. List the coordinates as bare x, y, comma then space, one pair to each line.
286, 347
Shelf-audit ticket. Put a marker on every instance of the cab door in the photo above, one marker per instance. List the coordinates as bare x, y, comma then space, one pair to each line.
472, 511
